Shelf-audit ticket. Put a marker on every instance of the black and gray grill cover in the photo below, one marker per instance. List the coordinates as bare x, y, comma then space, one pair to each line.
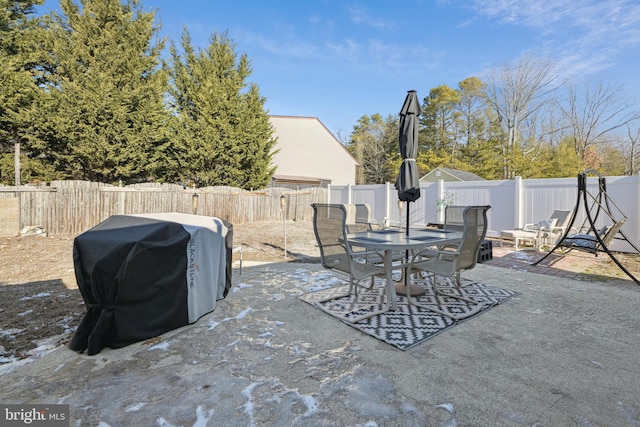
141, 276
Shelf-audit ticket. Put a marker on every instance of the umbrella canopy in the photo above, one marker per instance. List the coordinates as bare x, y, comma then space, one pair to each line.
407, 183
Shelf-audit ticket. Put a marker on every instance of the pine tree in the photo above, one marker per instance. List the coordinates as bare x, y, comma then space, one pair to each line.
17, 86
222, 134
101, 113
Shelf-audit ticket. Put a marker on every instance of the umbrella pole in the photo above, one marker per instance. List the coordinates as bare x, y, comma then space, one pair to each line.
406, 253
405, 287
407, 224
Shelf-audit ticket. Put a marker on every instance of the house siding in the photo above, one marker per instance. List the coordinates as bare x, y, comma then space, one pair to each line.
308, 149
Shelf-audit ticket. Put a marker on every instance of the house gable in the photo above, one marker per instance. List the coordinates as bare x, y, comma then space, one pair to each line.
307, 149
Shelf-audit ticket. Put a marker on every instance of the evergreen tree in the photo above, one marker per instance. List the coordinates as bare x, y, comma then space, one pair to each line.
471, 107
18, 88
222, 133
101, 114
439, 114
477, 152
559, 161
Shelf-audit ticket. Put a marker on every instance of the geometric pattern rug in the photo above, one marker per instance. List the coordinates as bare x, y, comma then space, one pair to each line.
409, 325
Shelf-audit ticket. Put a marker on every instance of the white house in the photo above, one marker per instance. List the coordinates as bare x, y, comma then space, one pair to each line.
309, 154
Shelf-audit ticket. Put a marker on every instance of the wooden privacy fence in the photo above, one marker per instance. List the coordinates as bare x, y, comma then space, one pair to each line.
72, 207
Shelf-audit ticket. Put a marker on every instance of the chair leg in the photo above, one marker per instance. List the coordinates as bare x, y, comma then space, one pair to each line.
476, 309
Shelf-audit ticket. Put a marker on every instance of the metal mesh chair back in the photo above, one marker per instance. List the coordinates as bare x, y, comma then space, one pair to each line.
454, 218
562, 216
361, 218
475, 230
329, 226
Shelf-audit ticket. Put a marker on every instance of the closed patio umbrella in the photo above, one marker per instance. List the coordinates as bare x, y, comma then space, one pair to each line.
407, 183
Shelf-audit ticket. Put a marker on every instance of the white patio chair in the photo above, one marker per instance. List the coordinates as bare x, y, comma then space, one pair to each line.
540, 232
550, 229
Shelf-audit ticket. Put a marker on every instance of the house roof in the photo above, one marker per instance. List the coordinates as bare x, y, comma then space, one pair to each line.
297, 179
307, 149
448, 174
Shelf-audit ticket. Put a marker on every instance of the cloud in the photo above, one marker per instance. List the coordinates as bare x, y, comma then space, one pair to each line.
288, 46
360, 15
384, 58
583, 35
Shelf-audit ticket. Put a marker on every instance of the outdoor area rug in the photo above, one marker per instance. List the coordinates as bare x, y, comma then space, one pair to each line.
409, 325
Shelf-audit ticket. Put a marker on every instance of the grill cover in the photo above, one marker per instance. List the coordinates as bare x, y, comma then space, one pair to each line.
143, 275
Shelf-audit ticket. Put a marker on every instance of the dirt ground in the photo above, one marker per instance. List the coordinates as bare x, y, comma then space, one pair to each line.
40, 304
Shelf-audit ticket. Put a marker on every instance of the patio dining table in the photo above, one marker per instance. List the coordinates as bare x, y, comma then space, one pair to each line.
394, 240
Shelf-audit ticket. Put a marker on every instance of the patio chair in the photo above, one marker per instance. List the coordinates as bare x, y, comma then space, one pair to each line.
330, 228
540, 232
450, 261
550, 229
454, 218
358, 217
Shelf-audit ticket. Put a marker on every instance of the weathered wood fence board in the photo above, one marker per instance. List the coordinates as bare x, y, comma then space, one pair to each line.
72, 207
9, 217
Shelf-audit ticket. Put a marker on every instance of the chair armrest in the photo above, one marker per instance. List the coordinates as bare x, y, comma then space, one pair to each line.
366, 254
395, 265
431, 253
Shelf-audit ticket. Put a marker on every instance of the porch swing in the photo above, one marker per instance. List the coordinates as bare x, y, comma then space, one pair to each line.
594, 240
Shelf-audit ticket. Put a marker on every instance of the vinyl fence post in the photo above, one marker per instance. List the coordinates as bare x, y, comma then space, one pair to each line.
386, 221
440, 190
519, 201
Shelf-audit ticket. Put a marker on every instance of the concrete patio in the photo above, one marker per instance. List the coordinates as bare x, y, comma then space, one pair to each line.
562, 353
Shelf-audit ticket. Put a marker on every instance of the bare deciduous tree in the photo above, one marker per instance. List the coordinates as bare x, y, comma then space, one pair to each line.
374, 143
595, 113
517, 94
634, 150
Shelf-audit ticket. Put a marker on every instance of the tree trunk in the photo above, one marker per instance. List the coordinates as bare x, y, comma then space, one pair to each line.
16, 161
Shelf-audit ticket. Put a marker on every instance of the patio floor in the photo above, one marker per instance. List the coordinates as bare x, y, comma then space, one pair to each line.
575, 265
562, 352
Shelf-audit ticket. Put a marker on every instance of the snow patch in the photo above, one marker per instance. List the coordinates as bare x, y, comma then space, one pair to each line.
447, 407
10, 333
40, 295
240, 286
241, 315
202, 418
164, 345
136, 407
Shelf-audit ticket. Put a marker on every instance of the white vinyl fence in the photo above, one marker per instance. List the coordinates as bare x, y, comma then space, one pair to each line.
514, 203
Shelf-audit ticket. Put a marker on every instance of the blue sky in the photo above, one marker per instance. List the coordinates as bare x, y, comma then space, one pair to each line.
340, 60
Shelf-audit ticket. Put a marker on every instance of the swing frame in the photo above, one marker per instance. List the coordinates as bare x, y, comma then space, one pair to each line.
600, 242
